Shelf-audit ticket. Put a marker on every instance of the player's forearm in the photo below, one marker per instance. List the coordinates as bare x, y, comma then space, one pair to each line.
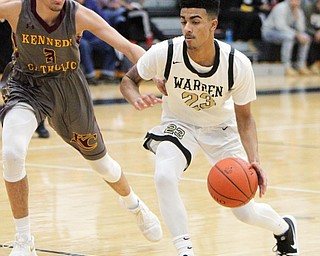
135, 54
129, 89
248, 135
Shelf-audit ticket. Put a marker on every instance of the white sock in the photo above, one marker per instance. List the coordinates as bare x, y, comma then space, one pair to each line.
23, 227
183, 245
131, 201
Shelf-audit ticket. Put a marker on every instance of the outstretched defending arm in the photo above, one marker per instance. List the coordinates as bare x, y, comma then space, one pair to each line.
87, 19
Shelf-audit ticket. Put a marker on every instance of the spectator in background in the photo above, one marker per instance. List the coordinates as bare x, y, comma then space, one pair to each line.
118, 13
305, 3
89, 44
286, 25
132, 21
261, 7
244, 18
5, 57
312, 12
115, 10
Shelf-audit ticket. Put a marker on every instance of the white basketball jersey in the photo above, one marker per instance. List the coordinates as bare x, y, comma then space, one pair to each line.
199, 95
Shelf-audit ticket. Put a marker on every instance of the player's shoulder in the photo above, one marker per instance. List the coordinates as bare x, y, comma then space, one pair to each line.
239, 57
11, 4
163, 45
10, 10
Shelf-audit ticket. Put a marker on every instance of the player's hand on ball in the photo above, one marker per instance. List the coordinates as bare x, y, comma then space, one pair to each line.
262, 178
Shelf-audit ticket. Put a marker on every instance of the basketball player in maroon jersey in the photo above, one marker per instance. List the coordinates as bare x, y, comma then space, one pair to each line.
45, 81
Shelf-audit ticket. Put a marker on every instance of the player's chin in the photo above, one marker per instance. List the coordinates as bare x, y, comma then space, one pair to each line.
190, 44
57, 8
188, 40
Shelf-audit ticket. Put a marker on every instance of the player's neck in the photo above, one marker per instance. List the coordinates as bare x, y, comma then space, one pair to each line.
46, 14
203, 56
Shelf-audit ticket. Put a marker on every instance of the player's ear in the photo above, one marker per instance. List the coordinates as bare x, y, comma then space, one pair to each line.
214, 24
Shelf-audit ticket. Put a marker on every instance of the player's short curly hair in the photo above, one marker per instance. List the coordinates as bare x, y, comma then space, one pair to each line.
211, 6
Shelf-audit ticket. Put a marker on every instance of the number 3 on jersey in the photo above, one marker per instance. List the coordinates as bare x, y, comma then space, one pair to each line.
192, 99
175, 130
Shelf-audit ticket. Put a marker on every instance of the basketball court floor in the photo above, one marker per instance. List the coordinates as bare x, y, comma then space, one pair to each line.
73, 212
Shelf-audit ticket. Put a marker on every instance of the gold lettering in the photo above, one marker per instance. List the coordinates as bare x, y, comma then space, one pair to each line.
66, 42
54, 68
43, 68
73, 65
58, 43
63, 67
33, 39
57, 67
50, 68
41, 39
31, 67
68, 65
49, 41
25, 39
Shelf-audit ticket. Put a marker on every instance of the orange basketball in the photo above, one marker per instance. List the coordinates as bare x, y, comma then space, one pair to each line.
232, 183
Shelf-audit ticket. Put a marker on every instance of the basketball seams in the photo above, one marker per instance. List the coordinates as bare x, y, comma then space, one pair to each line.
232, 182
243, 169
229, 198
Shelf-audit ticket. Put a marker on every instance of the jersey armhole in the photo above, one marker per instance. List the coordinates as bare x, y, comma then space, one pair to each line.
230, 69
169, 59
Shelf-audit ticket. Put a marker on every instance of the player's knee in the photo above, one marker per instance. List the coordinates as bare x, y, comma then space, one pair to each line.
164, 176
167, 173
170, 164
107, 168
13, 165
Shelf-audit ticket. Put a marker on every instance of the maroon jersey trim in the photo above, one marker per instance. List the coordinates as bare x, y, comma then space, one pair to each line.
48, 28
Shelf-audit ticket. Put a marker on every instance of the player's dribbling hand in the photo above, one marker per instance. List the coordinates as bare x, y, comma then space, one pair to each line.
262, 178
146, 101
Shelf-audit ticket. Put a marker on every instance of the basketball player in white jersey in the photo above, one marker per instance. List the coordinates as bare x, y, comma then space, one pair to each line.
206, 104
45, 81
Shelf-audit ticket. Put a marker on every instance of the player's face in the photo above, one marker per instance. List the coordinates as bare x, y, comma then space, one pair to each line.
56, 5
295, 3
53, 5
197, 27
318, 5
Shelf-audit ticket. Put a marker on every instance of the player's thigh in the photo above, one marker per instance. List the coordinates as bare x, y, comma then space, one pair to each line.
221, 142
179, 134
